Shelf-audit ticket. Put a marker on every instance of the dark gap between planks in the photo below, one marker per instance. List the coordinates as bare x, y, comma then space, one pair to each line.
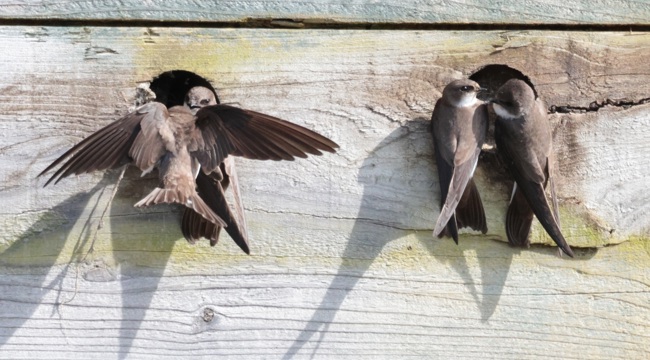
319, 24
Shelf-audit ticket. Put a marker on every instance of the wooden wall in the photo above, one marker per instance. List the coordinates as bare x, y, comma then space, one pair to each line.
343, 264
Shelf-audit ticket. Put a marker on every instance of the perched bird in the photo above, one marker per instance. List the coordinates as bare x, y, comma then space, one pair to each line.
523, 138
459, 125
191, 145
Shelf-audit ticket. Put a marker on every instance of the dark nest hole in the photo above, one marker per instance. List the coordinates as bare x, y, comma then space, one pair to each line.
493, 76
170, 87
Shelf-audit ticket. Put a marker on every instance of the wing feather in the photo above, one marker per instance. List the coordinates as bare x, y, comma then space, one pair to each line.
95, 155
107, 148
149, 145
227, 130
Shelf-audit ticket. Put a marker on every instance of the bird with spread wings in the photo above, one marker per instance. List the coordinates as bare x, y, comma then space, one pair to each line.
191, 146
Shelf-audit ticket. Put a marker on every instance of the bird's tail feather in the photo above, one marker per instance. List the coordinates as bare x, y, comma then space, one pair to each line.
450, 229
541, 209
470, 212
212, 192
195, 226
192, 201
519, 218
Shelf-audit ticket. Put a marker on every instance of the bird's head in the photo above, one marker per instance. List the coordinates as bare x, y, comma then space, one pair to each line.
513, 99
199, 97
461, 93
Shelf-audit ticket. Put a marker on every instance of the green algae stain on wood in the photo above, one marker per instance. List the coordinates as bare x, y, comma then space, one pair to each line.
188, 50
219, 56
69, 233
580, 228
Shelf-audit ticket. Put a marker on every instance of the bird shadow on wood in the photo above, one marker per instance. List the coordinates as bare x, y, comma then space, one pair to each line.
144, 250
370, 233
381, 219
142, 257
142, 243
493, 255
39, 249
494, 260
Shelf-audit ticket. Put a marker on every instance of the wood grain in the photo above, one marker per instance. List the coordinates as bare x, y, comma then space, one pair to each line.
296, 14
343, 262
489, 304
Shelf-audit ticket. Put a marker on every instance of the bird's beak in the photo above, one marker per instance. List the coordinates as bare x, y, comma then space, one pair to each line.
481, 90
194, 108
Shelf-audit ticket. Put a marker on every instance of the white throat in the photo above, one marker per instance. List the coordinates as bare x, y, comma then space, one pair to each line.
466, 101
502, 112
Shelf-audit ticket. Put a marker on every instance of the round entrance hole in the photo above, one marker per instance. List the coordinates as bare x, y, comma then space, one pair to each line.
170, 87
492, 76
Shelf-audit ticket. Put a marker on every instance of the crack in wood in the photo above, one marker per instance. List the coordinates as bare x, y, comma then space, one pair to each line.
596, 105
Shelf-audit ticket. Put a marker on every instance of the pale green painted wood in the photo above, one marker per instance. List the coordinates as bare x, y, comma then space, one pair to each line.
602, 12
343, 264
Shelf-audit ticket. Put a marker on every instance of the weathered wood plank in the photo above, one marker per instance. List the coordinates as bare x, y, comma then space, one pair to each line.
343, 262
465, 310
605, 12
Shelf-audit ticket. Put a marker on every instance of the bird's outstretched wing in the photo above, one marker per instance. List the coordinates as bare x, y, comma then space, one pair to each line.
224, 130
111, 146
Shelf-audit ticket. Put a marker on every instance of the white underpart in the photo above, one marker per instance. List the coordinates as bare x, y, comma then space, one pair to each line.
502, 112
512, 196
467, 101
146, 171
197, 165
474, 168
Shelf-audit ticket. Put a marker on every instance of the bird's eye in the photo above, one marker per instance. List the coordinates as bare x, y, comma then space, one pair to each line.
466, 88
205, 102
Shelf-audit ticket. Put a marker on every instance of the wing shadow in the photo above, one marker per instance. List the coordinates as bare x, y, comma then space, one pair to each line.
142, 242
370, 233
375, 227
41, 244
